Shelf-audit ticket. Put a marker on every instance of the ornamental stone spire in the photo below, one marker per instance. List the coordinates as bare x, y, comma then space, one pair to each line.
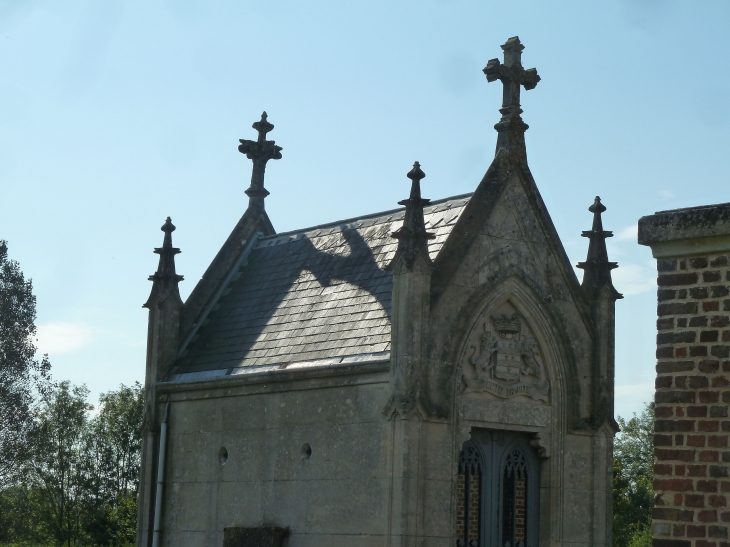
412, 236
597, 268
511, 128
260, 152
165, 279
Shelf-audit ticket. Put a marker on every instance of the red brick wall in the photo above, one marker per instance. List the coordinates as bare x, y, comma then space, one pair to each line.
474, 486
520, 507
691, 479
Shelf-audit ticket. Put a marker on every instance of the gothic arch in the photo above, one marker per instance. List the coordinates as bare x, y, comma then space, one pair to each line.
547, 441
559, 365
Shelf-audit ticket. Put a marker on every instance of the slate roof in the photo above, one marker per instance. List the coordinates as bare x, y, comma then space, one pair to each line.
318, 296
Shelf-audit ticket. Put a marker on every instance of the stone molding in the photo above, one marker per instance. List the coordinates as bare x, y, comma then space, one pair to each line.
693, 223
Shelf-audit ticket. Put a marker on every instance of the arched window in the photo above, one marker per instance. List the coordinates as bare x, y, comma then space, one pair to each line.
514, 499
497, 491
468, 510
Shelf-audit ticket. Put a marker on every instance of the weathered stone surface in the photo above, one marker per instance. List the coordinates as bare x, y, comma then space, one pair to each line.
254, 537
320, 393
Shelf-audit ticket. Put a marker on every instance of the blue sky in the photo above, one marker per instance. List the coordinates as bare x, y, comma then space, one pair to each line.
117, 114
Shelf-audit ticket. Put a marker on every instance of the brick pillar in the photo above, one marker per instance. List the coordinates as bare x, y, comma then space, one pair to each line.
691, 478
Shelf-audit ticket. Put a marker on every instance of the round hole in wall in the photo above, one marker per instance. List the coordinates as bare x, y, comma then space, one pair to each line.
223, 455
306, 451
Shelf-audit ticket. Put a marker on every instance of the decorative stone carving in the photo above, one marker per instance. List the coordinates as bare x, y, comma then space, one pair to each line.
505, 361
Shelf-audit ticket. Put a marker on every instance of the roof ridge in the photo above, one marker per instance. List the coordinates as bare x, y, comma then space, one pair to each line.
363, 217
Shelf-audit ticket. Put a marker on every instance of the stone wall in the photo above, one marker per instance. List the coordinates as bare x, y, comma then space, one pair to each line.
691, 474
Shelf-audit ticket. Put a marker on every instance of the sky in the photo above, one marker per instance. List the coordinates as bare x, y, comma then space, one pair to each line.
114, 115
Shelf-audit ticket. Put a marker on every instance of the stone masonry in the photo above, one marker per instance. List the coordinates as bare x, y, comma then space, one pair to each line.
691, 474
373, 381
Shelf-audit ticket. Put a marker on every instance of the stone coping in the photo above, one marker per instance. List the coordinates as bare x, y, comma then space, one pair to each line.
275, 381
688, 231
249, 370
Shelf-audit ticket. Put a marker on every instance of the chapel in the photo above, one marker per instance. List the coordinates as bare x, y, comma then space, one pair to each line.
432, 375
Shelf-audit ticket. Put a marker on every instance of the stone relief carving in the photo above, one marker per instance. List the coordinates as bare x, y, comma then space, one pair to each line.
505, 361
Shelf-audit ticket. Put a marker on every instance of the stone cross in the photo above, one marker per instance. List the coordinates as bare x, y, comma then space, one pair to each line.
512, 75
260, 151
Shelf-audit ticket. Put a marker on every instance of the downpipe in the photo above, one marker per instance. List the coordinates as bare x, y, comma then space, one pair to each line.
160, 479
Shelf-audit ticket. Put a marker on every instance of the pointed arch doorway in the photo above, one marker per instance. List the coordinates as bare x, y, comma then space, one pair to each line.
498, 491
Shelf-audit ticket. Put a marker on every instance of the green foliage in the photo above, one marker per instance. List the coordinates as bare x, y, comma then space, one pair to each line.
57, 466
633, 474
21, 375
79, 482
641, 537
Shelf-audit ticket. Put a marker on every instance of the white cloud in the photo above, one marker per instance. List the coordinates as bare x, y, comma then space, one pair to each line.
629, 233
631, 398
633, 279
666, 194
55, 338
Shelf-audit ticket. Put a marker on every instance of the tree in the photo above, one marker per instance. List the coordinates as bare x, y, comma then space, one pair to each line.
58, 465
20, 373
633, 474
80, 479
114, 445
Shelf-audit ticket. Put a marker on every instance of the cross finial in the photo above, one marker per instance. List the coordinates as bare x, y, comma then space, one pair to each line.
260, 151
512, 75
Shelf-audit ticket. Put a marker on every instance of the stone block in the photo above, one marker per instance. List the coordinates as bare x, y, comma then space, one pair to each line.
578, 463
576, 510
358, 540
347, 506
175, 538
439, 458
193, 457
182, 514
238, 504
195, 416
254, 537
302, 539
284, 503
437, 501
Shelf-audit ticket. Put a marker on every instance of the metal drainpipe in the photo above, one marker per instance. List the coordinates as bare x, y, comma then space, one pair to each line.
160, 479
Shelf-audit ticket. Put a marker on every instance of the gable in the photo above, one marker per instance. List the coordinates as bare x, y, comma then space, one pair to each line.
507, 219
512, 238
317, 297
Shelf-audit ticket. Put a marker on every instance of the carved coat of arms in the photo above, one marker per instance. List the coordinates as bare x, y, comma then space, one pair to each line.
506, 364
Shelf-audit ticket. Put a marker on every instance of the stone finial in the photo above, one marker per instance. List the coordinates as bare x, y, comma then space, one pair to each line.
597, 268
260, 152
511, 128
165, 278
412, 236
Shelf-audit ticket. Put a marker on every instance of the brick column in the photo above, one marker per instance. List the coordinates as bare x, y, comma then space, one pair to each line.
691, 478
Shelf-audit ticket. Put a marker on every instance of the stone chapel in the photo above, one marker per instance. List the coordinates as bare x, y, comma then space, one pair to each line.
434, 375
